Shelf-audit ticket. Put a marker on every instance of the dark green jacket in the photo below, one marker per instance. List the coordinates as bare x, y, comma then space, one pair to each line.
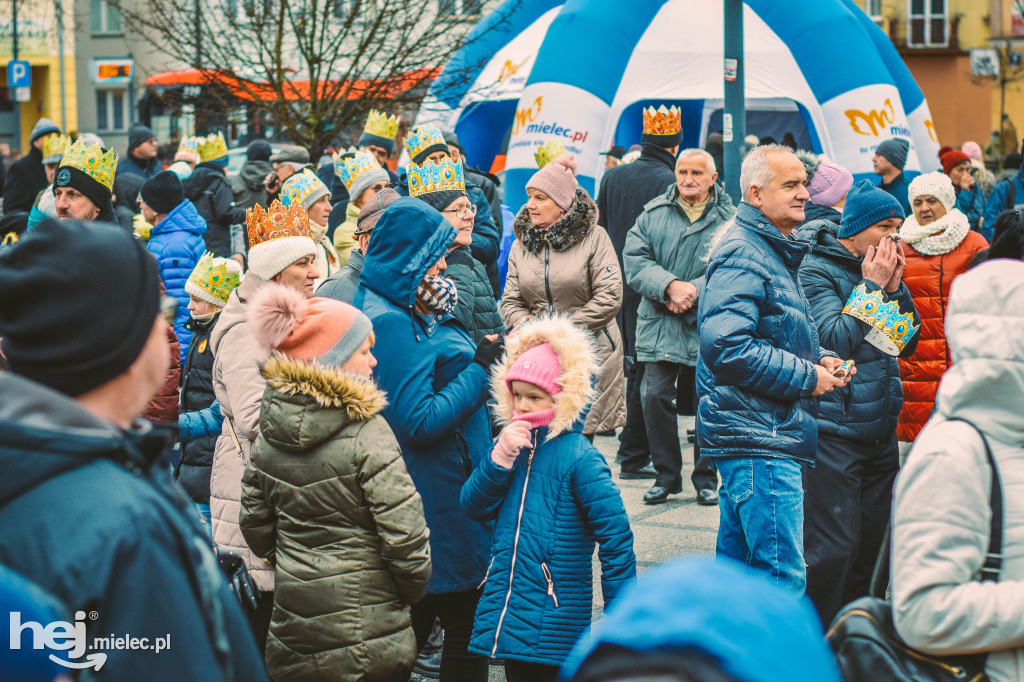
476, 308
327, 499
664, 246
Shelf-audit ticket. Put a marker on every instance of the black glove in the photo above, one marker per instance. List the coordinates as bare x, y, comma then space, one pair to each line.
489, 352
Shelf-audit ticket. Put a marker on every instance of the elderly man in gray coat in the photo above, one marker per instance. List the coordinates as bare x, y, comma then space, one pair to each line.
665, 259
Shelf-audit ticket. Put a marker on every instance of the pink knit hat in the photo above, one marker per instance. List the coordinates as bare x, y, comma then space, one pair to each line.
829, 183
972, 150
558, 180
538, 366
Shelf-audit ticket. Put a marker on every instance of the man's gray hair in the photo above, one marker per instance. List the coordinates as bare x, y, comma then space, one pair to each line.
692, 153
756, 171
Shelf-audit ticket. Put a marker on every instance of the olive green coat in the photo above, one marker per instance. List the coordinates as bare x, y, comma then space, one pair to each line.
326, 498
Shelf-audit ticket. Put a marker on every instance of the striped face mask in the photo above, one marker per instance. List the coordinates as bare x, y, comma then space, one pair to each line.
437, 294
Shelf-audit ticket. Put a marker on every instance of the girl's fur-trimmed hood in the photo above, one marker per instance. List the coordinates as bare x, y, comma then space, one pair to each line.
576, 363
328, 387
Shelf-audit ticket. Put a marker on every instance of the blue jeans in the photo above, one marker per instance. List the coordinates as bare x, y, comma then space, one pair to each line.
761, 507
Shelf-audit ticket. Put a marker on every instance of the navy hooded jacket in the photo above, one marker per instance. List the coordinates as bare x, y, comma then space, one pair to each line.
758, 346
436, 393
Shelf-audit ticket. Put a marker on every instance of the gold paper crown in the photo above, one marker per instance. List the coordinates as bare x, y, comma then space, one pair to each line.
213, 277
348, 168
548, 152
96, 162
212, 147
53, 147
663, 121
891, 330
422, 138
380, 124
276, 223
429, 177
189, 144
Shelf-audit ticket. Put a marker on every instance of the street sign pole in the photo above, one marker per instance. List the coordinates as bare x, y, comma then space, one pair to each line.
14, 53
734, 118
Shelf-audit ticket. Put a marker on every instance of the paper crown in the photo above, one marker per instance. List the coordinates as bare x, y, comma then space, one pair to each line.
548, 152
340, 157
423, 138
663, 121
213, 279
891, 330
275, 223
630, 157
380, 124
212, 147
348, 169
443, 176
300, 186
189, 144
94, 161
53, 148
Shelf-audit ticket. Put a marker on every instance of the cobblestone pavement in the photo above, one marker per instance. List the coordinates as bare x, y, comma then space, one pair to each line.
661, 532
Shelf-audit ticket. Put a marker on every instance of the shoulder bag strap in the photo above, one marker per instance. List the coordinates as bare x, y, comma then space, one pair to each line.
994, 556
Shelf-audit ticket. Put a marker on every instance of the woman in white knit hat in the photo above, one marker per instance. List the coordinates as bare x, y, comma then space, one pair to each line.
939, 246
281, 251
308, 190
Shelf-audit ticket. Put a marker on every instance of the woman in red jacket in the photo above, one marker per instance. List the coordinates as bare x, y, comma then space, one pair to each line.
939, 246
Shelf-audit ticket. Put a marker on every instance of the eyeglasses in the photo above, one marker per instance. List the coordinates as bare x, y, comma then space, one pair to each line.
460, 211
168, 308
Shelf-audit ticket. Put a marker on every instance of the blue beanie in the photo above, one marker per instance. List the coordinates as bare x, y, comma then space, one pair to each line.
866, 205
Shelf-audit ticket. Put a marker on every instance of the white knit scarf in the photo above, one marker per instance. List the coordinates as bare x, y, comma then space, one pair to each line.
938, 237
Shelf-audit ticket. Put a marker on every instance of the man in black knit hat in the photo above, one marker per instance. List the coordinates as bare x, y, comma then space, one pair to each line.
87, 503
141, 158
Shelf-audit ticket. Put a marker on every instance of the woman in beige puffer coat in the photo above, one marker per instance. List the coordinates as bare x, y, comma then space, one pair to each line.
562, 261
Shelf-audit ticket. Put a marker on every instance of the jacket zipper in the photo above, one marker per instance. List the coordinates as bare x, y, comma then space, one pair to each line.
515, 550
547, 283
956, 671
551, 583
487, 574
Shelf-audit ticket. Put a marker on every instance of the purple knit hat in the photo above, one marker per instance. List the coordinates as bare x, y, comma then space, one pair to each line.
558, 181
829, 183
538, 366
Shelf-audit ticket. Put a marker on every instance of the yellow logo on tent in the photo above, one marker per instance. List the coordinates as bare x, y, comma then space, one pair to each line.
877, 119
524, 116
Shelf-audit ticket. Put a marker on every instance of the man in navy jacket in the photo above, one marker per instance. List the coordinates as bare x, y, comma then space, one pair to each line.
759, 370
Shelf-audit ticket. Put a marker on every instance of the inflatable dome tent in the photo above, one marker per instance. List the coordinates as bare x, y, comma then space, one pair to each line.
582, 71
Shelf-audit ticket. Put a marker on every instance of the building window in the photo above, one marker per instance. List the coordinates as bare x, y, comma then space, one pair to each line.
927, 23
460, 9
873, 8
104, 18
111, 110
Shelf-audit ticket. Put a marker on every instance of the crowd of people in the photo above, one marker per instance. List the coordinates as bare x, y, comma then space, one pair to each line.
339, 422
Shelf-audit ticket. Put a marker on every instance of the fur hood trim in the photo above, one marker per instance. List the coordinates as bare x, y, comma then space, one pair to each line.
328, 386
575, 353
566, 232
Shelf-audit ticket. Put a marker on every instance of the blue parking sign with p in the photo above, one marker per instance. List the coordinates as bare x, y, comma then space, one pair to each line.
19, 74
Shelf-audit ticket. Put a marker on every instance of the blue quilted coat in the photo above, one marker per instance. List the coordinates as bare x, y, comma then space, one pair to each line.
436, 393
556, 502
758, 346
177, 244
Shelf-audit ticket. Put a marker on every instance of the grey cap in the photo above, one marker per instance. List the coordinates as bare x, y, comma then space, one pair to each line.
451, 138
894, 151
292, 153
43, 126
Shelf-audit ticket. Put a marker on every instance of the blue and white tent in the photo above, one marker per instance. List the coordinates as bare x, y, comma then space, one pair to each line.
582, 71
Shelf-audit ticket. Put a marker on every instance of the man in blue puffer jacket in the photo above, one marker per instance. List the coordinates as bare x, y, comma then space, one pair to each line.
760, 364
176, 241
436, 380
849, 490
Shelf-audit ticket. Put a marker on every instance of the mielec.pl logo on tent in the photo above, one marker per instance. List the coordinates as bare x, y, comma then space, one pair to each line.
59, 636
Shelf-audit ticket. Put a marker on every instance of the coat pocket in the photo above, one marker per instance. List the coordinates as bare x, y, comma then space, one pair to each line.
463, 452
551, 583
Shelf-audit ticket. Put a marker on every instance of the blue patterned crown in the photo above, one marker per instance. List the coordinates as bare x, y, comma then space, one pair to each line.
349, 168
422, 138
429, 177
301, 186
891, 330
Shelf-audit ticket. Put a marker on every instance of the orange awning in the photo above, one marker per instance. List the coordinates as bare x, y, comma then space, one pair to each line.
293, 91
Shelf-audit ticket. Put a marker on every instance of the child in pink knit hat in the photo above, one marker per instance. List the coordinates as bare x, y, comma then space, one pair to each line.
552, 498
